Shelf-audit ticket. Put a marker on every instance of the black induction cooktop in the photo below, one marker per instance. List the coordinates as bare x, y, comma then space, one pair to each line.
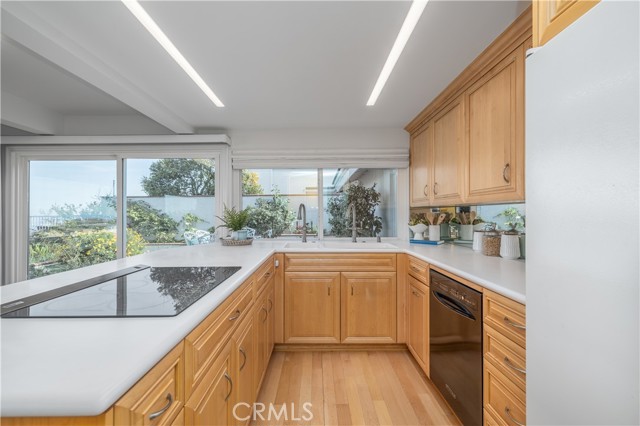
139, 291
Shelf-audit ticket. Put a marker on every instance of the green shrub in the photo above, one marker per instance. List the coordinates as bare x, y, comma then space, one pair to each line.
366, 200
154, 225
271, 217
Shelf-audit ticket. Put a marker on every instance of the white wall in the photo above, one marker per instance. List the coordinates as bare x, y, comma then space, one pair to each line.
583, 97
100, 125
309, 139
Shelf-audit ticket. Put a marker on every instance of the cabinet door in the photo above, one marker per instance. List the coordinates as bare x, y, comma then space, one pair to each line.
369, 307
448, 173
419, 167
260, 319
418, 324
271, 321
495, 152
210, 403
245, 357
550, 17
312, 307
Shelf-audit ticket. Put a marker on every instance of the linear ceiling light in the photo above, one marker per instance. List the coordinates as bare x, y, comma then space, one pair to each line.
415, 11
153, 28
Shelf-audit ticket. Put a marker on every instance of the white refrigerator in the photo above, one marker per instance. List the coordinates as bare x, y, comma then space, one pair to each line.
582, 159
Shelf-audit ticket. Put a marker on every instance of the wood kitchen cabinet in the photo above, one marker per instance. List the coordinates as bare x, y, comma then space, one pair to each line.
550, 17
264, 320
436, 172
420, 170
244, 362
312, 307
212, 401
368, 307
418, 322
495, 145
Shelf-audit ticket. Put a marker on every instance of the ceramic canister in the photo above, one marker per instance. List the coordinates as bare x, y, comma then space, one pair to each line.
477, 240
434, 232
466, 232
510, 246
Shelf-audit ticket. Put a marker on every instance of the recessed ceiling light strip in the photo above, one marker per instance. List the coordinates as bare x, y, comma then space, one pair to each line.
136, 9
415, 11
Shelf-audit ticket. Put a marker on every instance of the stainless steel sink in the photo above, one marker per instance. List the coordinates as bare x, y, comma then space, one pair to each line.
340, 245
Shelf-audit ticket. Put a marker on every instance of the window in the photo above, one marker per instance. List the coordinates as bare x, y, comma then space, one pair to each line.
68, 207
275, 194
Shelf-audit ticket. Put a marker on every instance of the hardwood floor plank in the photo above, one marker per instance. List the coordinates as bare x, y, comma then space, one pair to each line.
352, 388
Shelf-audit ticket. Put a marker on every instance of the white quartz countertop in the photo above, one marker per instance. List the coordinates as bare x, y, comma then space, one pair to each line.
80, 367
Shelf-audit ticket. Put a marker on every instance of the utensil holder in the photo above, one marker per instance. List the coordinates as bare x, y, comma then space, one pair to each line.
434, 232
510, 246
466, 232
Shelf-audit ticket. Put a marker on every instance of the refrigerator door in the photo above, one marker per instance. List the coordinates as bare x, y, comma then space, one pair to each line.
582, 139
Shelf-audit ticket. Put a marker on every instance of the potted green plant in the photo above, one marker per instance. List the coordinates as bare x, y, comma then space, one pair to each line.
418, 223
235, 220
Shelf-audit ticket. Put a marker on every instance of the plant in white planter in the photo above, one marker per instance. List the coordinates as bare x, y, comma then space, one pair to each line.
236, 221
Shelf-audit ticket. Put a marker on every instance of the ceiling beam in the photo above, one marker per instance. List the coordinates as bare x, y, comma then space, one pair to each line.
24, 27
27, 116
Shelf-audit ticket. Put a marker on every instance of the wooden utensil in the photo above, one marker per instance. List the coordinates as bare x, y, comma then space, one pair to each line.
473, 217
463, 218
430, 218
441, 218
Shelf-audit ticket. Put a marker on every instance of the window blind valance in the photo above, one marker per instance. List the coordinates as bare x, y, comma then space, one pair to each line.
322, 158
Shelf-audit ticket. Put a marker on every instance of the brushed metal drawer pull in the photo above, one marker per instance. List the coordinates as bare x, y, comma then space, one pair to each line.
267, 274
163, 410
504, 173
270, 305
329, 290
513, 324
414, 268
226, 376
244, 355
509, 364
507, 411
266, 314
435, 188
235, 316
425, 190
415, 293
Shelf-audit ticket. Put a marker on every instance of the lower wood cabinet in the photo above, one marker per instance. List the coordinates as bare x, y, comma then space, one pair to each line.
418, 322
264, 323
312, 307
211, 402
368, 307
244, 364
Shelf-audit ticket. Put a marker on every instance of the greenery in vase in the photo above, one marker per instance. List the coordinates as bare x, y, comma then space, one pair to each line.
417, 219
513, 219
234, 219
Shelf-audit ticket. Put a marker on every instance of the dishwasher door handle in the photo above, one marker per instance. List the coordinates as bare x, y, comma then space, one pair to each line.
451, 304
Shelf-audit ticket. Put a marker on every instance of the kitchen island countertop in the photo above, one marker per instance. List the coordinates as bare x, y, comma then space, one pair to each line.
81, 366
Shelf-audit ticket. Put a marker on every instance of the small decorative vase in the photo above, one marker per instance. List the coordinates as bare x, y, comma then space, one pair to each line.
510, 246
434, 232
477, 240
418, 231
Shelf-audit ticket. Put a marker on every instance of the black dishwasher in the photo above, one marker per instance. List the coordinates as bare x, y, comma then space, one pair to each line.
455, 346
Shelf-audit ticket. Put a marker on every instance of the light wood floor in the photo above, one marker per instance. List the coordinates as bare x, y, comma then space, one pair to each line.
352, 388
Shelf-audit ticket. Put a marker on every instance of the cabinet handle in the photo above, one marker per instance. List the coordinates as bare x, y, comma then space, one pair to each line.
267, 274
507, 411
244, 355
226, 376
425, 190
328, 290
235, 316
414, 268
435, 188
163, 410
509, 364
513, 324
415, 293
504, 173
270, 305
266, 314
352, 289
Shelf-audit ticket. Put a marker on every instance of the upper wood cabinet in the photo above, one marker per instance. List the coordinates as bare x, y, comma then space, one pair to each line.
420, 171
550, 17
368, 307
448, 139
467, 146
495, 144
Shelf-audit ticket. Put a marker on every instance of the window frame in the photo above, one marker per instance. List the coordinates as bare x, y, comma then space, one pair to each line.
16, 186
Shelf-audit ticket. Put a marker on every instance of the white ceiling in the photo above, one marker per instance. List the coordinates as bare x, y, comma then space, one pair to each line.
275, 65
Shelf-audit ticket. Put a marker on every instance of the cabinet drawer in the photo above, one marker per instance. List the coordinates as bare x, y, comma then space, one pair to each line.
503, 399
489, 420
418, 269
263, 275
362, 262
505, 316
207, 339
158, 397
506, 356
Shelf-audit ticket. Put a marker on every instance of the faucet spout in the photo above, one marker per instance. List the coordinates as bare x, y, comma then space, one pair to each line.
302, 215
354, 230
